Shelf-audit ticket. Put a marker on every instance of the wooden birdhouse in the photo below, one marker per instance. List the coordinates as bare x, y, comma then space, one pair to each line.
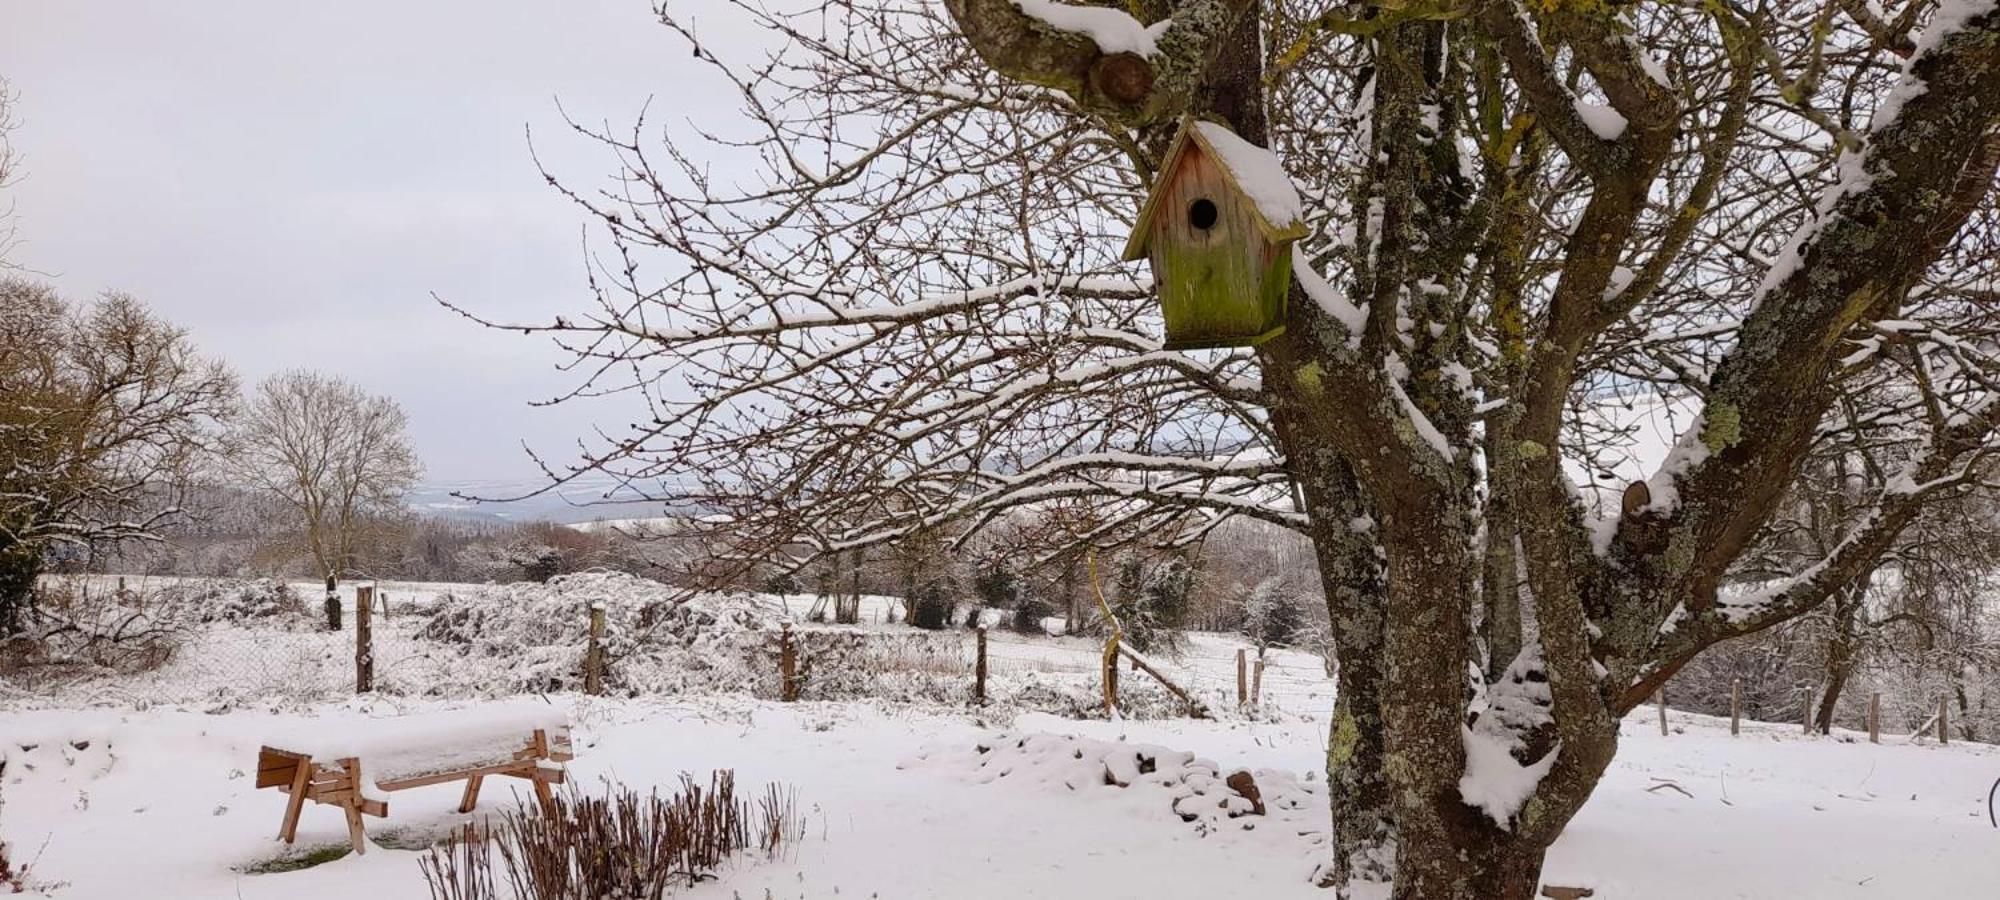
1218, 228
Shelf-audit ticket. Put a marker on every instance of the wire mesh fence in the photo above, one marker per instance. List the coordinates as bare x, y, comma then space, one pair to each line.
241, 643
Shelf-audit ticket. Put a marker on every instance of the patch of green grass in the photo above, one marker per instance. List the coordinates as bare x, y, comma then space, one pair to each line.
294, 860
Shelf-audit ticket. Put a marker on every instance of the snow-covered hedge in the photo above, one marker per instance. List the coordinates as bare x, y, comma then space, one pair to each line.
663, 640
204, 602
656, 636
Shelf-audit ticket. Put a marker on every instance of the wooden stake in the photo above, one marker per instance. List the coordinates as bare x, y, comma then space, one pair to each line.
1257, 685
1736, 707
1944, 721
1111, 649
1805, 705
1242, 678
332, 604
1875, 717
364, 639
788, 685
1660, 698
979, 671
1110, 644
593, 655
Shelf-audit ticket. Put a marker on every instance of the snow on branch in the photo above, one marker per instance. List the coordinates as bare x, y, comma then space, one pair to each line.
1112, 30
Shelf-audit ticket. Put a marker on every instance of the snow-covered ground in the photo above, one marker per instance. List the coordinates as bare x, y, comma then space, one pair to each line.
139, 784
117, 804
228, 663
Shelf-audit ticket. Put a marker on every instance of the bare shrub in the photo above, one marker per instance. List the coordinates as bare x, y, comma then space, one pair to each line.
75, 630
621, 844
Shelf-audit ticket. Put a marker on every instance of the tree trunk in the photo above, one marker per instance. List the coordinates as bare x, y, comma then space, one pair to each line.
332, 605
1841, 650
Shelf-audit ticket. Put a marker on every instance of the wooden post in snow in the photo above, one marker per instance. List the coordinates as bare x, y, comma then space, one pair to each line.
364, 639
593, 655
1257, 685
979, 671
1736, 707
1944, 721
1111, 676
1806, 711
788, 666
1660, 699
1242, 678
332, 604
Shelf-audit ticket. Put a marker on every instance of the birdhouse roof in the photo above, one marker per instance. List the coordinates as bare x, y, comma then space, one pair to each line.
1253, 171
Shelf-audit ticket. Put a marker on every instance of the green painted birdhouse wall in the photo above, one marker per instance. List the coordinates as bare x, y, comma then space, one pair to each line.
1221, 264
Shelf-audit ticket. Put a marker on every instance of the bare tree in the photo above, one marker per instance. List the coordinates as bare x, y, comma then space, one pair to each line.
334, 454
10, 168
107, 414
1775, 225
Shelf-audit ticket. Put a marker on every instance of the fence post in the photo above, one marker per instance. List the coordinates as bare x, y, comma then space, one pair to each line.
332, 604
593, 657
1660, 698
1944, 721
1242, 678
979, 671
1875, 717
1257, 685
1111, 678
364, 640
1806, 711
788, 666
1735, 707
385, 605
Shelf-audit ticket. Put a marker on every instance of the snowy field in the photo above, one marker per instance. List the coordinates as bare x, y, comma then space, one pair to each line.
1772, 814
153, 769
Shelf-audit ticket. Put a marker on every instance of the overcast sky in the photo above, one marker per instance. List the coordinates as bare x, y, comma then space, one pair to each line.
291, 181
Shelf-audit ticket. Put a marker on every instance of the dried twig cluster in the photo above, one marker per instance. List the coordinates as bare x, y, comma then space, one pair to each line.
622, 844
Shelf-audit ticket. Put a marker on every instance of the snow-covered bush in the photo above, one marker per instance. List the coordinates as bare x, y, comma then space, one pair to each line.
1273, 615
263, 600
842, 664
998, 585
1151, 603
931, 604
1029, 615
657, 637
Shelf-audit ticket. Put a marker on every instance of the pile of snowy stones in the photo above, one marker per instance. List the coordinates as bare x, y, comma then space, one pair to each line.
1197, 790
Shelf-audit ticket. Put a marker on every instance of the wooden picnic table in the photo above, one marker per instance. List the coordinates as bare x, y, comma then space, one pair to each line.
355, 764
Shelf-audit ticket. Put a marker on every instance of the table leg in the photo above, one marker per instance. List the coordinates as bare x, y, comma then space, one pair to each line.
471, 798
288, 830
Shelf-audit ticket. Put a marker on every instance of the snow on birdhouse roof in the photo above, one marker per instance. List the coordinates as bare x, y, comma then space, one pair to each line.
1254, 171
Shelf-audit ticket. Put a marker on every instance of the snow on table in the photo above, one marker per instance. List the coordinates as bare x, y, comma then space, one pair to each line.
414, 746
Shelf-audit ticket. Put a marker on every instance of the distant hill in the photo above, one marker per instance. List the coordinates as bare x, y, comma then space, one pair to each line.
573, 503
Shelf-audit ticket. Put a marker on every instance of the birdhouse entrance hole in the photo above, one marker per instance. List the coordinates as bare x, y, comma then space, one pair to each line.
1202, 214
